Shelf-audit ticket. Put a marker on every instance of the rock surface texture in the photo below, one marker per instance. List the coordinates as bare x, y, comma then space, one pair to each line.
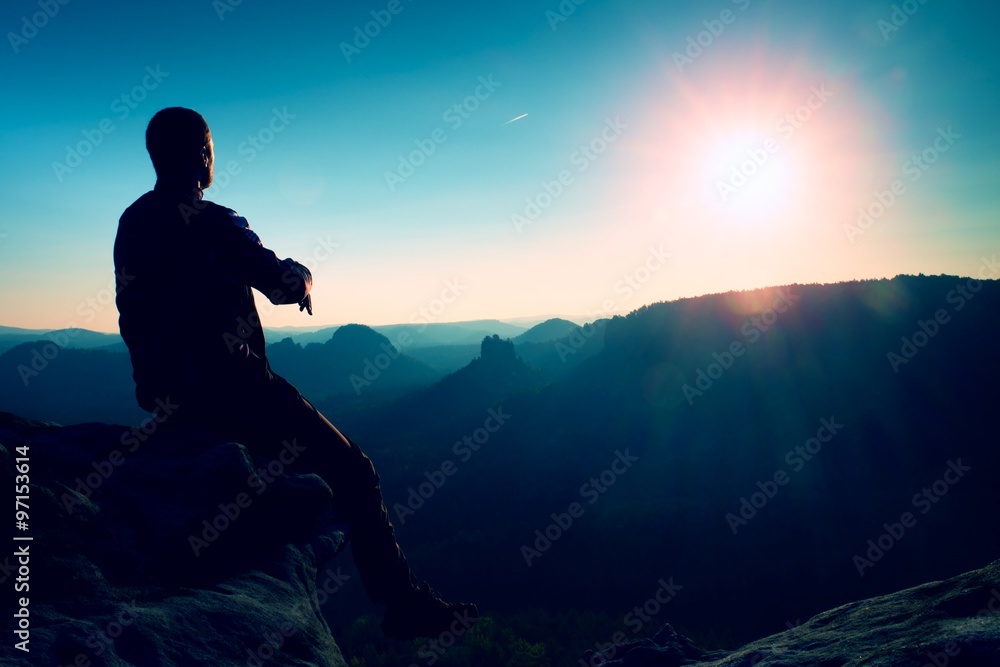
163, 549
951, 623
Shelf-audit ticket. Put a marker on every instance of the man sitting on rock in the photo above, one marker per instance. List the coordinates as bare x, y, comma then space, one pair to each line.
186, 267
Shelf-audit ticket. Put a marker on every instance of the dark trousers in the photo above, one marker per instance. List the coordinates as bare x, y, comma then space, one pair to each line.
264, 412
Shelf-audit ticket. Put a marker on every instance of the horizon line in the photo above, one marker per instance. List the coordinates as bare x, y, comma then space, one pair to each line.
542, 318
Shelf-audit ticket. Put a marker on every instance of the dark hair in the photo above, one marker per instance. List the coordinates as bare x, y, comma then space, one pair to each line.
174, 139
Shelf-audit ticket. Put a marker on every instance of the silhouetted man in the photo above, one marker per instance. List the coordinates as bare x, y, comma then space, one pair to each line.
187, 313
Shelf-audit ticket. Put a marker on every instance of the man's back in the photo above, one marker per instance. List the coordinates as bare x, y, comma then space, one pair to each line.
185, 268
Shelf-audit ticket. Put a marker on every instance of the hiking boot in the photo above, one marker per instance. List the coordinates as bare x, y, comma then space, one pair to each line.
421, 613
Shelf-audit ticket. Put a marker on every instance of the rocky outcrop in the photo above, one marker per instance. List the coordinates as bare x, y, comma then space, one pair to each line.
159, 548
951, 623
162, 548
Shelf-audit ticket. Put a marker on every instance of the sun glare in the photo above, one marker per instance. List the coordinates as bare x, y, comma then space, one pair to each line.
757, 161
749, 176
774, 146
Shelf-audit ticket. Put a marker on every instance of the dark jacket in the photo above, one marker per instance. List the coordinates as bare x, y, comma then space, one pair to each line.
184, 269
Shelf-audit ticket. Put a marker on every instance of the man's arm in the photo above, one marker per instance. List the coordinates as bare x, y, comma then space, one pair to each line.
282, 281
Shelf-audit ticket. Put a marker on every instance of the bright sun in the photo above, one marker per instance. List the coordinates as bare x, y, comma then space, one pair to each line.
749, 175
771, 145
754, 161
763, 154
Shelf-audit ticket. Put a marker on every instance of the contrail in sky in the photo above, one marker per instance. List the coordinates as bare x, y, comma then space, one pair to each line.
513, 119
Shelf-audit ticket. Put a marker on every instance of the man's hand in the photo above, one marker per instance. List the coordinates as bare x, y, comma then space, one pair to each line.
306, 304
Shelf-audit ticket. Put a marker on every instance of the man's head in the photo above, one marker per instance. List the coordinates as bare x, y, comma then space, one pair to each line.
180, 146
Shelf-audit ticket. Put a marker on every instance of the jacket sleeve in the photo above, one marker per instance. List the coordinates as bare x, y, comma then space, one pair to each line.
282, 281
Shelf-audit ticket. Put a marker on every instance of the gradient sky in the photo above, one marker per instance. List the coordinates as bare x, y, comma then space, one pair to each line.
673, 130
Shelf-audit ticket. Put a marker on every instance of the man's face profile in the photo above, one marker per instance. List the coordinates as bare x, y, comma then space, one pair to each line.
207, 172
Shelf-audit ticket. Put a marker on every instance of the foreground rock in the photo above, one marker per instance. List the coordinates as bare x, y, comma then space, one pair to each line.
156, 551
953, 623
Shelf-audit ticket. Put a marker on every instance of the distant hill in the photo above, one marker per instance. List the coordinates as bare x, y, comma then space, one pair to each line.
554, 348
495, 374
444, 347
410, 336
14, 331
449, 333
560, 356
68, 338
300, 337
547, 331
413, 335
445, 358
357, 362
41, 380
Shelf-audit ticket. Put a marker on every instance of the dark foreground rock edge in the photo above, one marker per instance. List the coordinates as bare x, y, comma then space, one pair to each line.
950, 623
115, 581
114, 575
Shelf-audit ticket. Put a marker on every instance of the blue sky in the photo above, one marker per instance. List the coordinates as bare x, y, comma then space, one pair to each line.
627, 182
